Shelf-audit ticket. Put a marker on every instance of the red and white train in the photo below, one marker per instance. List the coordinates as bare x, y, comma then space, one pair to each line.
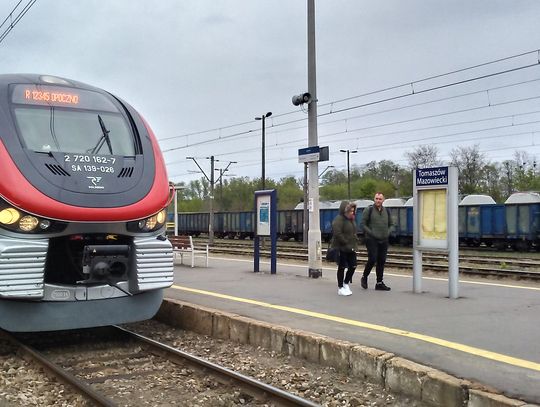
83, 197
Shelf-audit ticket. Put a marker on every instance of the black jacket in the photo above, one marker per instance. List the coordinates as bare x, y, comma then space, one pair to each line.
344, 230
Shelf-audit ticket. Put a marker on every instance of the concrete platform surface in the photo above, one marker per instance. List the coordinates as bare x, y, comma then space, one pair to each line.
491, 334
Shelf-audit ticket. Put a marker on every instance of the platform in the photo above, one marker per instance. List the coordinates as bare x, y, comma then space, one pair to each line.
490, 334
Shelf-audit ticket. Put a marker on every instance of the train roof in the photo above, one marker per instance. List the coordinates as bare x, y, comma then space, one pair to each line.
6, 79
523, 197
360, 203
393, 202
409, 202
363, 203
322, 205
477, 200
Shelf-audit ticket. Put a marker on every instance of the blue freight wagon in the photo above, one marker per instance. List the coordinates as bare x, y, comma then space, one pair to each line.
394, 205
522, 220
474, 219
404, 231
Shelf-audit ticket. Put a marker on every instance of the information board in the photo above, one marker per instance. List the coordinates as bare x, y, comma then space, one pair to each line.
263, 215
435, 214
433, 225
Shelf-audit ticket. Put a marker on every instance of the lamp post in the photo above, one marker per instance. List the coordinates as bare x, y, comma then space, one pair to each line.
263, 118
349, 152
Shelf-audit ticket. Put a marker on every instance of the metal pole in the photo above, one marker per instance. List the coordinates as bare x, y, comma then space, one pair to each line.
211, 220
314, 233
348, 175
175, 212
453, 234
221, 188
263, 176
306, 213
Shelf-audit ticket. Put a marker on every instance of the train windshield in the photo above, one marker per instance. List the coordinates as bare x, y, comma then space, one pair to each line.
68, 120
70, 131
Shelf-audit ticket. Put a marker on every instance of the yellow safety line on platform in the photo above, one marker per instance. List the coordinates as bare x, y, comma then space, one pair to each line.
399, 332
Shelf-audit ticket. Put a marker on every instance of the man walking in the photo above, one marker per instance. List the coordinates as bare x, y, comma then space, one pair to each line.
376, 222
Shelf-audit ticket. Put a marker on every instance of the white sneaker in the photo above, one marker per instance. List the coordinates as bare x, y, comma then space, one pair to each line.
347, 288
343, 291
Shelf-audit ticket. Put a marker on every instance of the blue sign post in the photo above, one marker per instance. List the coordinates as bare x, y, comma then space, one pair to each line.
265, 225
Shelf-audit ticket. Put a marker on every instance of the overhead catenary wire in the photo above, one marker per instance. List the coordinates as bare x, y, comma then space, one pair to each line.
430, 138
448, 98
13, 20
407, 84
381, 147
350, 131
221, 138
519, 109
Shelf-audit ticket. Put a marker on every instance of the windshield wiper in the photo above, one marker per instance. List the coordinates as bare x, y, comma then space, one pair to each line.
103, 138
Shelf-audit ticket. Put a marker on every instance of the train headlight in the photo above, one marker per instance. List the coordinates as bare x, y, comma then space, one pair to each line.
28, 223
8, 216
44, 224
19, 221
149, 224
161, 216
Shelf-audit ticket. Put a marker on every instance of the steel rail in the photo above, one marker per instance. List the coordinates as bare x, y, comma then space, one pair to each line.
251, 385
258, 389
78, 385
407, 263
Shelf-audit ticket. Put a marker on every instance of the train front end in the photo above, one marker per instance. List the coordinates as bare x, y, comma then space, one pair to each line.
83, 196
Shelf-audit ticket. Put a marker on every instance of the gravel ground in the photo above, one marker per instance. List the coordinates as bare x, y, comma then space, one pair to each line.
314, 382
23, 384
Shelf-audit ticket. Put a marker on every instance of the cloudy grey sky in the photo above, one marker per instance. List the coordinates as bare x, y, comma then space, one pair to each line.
200, 71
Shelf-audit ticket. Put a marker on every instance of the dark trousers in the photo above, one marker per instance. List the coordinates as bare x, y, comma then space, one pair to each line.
376, 255
347, 260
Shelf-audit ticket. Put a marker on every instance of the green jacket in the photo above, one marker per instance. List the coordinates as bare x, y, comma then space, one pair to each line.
376, 224
344, 231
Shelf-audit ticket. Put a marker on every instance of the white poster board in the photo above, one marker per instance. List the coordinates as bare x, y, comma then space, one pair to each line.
432, 209
263, 215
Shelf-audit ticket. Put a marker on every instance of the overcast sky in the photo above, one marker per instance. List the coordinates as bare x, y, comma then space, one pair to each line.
200, 71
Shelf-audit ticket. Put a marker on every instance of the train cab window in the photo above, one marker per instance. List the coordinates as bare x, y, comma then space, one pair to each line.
53, 129
69, 120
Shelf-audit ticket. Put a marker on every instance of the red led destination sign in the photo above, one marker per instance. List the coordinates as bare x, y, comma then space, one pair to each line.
61, 96
34, 95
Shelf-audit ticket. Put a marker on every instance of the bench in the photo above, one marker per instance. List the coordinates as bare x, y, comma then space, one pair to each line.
183, 245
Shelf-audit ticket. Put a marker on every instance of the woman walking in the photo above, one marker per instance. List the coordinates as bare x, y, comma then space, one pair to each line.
345, 240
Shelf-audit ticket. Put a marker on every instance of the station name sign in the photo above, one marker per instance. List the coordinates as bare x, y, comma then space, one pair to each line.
431, 176
313, 154
308, 154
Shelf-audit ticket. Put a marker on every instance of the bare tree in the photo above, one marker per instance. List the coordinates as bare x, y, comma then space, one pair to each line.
423, 156
471, 166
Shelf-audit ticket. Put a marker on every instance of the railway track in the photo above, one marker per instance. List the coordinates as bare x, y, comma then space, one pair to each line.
470, 263
112, 366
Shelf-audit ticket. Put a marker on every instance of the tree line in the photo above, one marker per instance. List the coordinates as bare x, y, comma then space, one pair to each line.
477, 175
